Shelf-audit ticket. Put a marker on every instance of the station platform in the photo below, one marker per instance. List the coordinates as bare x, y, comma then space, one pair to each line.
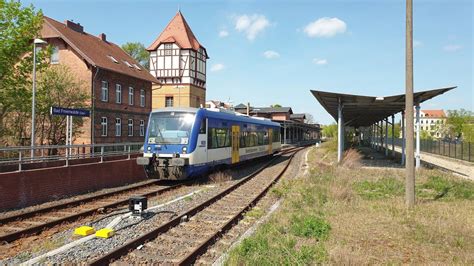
463, 168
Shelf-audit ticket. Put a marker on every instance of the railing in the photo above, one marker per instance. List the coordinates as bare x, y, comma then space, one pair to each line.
23, 155
453, 149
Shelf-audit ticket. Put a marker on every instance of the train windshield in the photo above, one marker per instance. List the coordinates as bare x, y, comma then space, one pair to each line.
170, 128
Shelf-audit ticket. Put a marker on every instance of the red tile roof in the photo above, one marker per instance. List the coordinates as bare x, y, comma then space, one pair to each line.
96, 51
434, 113
179, 32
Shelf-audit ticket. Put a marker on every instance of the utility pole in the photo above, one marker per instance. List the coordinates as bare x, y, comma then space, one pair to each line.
409, 166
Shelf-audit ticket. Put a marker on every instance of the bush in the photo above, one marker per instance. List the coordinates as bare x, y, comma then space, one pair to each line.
379, 189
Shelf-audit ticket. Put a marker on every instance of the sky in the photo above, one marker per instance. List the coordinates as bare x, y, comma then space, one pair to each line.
275, 52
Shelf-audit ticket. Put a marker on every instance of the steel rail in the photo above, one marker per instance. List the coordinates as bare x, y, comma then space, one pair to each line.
9, 237
131, 244
202, 248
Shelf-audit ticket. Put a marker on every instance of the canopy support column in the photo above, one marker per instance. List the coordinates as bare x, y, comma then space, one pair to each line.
386, 137
284, 132
340, 132
393, 136
403, 138
417, 153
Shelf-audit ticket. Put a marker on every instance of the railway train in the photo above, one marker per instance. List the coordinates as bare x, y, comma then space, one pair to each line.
182, 143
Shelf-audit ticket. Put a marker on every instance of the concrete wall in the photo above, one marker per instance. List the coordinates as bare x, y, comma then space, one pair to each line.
26, 188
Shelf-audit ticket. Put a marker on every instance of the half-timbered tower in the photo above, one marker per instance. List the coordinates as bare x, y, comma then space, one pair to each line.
178, 61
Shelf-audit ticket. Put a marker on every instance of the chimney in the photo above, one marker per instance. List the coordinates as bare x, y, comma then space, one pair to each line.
248, 108
74, 26
103, 37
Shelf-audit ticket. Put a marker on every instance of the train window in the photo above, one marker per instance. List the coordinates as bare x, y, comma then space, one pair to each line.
202, 129
218, 138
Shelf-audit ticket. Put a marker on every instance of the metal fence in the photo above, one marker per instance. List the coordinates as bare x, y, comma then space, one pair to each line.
453, 149
22, 155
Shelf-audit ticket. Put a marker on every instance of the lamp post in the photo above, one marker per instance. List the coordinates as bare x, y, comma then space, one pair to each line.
35, 42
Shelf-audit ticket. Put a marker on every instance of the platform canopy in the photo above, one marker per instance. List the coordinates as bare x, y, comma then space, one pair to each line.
359, 110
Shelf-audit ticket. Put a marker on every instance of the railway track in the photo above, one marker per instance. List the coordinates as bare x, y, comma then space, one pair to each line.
184, 238
28, 223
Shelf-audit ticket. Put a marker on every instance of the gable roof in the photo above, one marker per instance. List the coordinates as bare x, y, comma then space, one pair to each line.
297, 116
272, 110
434, 113
177, 31
96, 51
240, 106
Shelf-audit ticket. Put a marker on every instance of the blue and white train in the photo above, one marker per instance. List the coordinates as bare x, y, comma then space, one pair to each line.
182, 143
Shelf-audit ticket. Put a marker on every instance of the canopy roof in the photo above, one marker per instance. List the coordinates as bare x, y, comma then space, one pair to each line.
359, 110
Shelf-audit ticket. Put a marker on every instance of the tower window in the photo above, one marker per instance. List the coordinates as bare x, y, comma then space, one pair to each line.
130, 95
130, 127
169, 101
168, 48
103, 124
105, 91
55, 55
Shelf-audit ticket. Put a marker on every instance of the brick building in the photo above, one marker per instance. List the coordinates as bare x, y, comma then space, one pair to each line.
119, 88
178, 61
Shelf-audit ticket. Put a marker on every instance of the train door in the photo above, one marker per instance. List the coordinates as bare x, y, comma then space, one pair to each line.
235, 144
270, 141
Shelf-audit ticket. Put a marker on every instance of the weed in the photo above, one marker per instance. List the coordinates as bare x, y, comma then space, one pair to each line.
220, 176
438, 187
310, 226
379, 189
255, 213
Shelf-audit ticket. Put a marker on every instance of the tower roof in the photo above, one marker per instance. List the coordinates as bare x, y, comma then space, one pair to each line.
179, 32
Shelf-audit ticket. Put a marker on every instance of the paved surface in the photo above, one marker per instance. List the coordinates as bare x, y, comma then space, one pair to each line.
462, 167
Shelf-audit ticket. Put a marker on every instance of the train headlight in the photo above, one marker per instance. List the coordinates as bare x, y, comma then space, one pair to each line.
184, 150
148, 148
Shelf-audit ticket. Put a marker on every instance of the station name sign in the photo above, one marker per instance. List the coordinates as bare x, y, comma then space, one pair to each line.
69, 111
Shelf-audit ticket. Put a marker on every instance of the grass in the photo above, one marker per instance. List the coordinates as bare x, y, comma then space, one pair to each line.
354, 215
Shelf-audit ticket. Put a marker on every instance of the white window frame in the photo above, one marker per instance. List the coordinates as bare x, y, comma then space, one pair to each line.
130, 95
172, 101
130, 127
104, 96
142, 128
103, 124
118, 93
55, 55
142, 98
118, 127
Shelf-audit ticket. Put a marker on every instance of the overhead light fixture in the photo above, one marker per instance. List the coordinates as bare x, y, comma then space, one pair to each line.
39, 41
379, 98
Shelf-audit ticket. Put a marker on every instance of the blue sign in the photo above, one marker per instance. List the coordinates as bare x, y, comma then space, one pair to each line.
68, 111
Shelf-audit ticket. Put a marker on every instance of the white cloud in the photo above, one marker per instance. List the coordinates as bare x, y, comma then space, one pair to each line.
223, 33
325, 27
271, 54
319, 61
417, 43
452, 47
217, 67
251, 25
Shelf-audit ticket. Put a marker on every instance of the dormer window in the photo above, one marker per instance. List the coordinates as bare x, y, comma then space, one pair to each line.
127, 63
113, 59
137, 67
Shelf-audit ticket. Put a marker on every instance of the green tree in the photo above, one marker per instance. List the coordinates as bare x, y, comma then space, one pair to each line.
330, 131
276, 105
138, 52
18, 27
53, 83
397, 130
457, 120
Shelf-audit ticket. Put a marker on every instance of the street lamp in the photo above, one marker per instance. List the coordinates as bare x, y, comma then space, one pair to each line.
35, 42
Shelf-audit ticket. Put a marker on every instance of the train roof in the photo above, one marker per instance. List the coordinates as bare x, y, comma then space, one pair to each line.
220, 114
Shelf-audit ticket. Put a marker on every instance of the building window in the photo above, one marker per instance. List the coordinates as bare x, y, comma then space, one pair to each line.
103, 124
118, 93
130, 96
168, 48
104, 96
130, 127
169, 101
55, 55
198, 102
142, 98
118, 127
142, 127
